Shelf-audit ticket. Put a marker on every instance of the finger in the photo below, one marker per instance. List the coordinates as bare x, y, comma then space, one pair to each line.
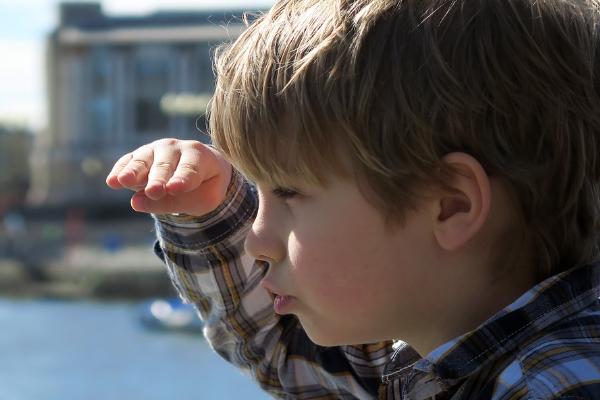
112, 179
140, 202
190, 172
135, 174
199, 202
165, 164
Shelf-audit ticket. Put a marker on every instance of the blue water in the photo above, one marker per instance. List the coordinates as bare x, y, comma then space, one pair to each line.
56, 350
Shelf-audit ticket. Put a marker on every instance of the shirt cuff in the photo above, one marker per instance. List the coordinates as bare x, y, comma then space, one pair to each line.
189, 232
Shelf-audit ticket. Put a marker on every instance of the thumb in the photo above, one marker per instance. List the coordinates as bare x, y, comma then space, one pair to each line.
142, 203
200, 201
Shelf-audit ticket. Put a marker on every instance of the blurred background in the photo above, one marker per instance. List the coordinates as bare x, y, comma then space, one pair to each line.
86, 310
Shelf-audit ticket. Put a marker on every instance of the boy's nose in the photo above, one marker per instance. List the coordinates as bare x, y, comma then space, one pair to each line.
262, 242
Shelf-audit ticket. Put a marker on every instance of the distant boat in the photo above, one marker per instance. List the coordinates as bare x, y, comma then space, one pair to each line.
170, 314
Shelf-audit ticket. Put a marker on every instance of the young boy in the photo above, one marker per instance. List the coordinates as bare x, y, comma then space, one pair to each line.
426, 180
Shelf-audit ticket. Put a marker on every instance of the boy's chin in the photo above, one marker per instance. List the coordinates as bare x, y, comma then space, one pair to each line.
330, 339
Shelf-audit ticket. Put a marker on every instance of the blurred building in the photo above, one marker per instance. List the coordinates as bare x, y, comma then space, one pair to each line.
115, 83
15, 145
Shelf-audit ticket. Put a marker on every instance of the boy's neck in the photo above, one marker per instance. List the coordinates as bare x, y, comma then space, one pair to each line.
479, 280
470, 305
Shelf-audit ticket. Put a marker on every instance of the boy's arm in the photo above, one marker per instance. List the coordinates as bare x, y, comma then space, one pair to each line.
207, 263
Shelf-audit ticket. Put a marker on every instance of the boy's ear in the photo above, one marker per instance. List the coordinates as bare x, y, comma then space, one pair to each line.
461, 211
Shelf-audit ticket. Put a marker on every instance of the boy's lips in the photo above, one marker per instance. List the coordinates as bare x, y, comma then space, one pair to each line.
281, 302
270, 287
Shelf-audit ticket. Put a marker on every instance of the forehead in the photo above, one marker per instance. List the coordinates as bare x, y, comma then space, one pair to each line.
291, 165
274, 144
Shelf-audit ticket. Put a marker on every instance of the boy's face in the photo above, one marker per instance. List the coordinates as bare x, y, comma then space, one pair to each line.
335, 263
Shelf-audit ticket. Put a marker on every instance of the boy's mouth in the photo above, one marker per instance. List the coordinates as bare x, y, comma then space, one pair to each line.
269, 289
280, 301
281, 304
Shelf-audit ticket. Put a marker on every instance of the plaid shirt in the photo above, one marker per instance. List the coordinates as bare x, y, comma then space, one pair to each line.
546, 345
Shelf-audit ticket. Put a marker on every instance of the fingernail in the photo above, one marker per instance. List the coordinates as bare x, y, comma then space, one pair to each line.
178, 180
157, 184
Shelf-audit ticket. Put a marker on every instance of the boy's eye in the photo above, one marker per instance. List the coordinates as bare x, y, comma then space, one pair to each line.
284, 193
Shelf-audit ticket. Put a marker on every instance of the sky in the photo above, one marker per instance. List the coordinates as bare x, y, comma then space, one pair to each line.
24, 24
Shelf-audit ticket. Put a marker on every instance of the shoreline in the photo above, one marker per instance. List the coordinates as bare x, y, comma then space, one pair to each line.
87, 272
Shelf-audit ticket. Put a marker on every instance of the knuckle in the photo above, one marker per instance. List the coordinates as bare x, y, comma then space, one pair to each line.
162, 166
168, 142
195, 145
188, 167
124, 160
138, 162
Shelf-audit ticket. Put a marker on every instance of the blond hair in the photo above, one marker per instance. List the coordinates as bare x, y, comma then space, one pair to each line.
398, 84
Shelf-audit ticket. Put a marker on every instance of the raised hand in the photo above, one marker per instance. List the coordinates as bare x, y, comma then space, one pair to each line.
173, 176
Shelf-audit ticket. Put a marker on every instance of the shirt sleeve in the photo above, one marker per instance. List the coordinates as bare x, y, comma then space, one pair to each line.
207, 263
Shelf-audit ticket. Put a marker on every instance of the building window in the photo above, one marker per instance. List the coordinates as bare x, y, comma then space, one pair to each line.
151, 83
205, 55
100, 102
